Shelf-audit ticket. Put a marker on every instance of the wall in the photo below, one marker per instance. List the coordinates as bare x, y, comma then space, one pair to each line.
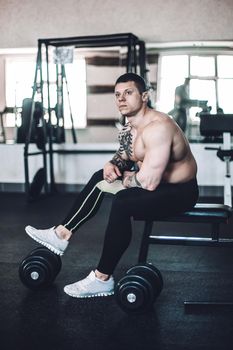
77, 169
23, 22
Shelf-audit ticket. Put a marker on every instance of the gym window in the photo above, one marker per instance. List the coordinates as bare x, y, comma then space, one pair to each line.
211, 79
19, 79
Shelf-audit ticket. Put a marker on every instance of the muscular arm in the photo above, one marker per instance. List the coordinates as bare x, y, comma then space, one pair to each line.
157, 142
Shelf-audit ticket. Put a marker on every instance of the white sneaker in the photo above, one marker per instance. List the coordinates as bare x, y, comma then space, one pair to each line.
48, 238
91, 286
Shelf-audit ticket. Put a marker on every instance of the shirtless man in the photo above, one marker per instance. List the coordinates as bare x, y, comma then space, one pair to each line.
152, 175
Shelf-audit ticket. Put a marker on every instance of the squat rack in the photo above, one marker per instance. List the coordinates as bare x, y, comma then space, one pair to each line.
135, 62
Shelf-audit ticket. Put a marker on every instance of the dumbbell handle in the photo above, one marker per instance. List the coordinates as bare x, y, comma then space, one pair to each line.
131, 297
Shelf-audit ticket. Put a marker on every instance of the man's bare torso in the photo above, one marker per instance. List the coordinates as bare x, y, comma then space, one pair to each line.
181, 165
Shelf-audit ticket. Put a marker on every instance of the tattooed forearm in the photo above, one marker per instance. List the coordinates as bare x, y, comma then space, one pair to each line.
132, 181
125, 150
122, 164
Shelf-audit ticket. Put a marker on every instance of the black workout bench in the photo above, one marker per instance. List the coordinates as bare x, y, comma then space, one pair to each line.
212, 214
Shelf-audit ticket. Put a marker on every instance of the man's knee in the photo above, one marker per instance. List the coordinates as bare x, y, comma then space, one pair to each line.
119, 205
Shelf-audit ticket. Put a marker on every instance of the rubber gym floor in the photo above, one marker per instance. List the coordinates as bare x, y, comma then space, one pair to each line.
50, 319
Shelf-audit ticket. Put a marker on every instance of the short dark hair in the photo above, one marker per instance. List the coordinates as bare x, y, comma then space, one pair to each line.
138, 80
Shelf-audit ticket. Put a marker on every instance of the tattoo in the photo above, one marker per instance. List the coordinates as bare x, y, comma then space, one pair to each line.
133, 181
122, 164
138, 183
125, 139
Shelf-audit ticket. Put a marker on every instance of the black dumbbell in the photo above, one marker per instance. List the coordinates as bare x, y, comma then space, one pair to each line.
138, 289
40, 268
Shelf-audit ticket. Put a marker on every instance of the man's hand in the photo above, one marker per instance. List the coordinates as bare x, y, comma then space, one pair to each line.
111, 172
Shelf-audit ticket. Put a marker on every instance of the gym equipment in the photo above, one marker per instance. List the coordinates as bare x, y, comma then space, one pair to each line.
179, 113
59, 135
220, 125
37, 184
135, 60
180, 117
40, 268
3, 131
213, 215
36, 124
138, 289
40, 137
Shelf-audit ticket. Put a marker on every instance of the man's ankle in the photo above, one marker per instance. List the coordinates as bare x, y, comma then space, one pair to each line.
101, 276
62, 232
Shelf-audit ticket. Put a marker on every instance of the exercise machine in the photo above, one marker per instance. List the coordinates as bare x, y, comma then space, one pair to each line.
220, 125
179, 113
135, 62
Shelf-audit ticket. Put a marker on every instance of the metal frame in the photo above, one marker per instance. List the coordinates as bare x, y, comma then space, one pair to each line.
2, 126
135, 59
221, 125
212, 214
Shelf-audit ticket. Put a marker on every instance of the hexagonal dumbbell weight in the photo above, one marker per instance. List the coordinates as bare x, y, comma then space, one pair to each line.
40, 268
138, 289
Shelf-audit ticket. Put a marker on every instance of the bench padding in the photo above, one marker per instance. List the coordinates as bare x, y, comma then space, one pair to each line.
212, 214
204, 212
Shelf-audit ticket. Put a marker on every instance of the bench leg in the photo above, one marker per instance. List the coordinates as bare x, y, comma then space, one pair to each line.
145, 242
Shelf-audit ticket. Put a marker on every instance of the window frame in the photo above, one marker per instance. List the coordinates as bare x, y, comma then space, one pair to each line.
27, 54
213, 49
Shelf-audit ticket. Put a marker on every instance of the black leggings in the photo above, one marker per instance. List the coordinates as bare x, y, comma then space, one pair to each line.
166, 200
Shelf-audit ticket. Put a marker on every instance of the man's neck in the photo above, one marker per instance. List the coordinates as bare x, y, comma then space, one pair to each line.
140, 119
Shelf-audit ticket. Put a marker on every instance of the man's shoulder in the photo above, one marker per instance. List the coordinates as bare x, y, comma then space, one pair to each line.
161, 124
158, 119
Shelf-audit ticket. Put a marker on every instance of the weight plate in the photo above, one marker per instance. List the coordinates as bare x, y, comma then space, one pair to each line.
151, 273
53, 259
33, 274
39, 268
131, 294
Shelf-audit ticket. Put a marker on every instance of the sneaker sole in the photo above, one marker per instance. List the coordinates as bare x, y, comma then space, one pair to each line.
106, 294
47, 245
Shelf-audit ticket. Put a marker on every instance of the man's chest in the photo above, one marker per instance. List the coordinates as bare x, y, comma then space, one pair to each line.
132, 144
